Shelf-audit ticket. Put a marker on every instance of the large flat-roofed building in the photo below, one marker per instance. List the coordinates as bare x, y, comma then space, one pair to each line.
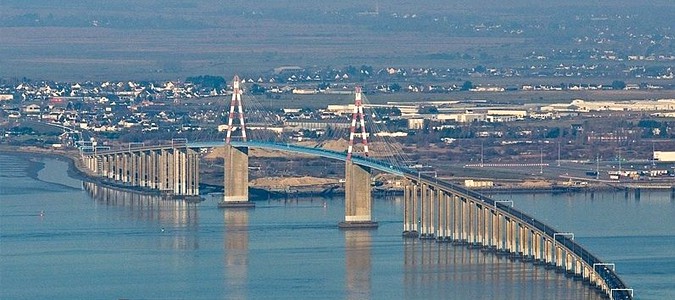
668, 156
462, 118
315, 124
635, 105
505, 112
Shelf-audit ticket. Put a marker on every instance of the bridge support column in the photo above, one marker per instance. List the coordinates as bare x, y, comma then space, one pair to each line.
536, 247
559, 257
427, 212
235, 190
548, 252
126, 173
152, 169
485, 216
578, 268
508, 225
358, 200
192, 173
495, 230
142, 169
442, 216
522, 240
458, 226
471, 222
410, 210
569, 263
92, 163
423, 210
433, 201
133, 168
117, 167
165, 172
447, 203
177, 165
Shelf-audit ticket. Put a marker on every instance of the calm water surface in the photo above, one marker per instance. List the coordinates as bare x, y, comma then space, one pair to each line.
99, 243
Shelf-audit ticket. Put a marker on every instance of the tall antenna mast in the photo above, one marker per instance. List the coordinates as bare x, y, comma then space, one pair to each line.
236, 101
558, 153
481, 153
541, 159
597, 166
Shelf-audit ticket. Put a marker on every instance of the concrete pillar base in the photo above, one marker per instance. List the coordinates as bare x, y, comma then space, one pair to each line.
348, 225
528, 258
186, 198
474, 246
236, 204
502, 252
412, 234
489, 249
427, 236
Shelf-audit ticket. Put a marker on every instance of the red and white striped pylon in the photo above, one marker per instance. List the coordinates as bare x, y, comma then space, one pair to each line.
358, 111
236, 101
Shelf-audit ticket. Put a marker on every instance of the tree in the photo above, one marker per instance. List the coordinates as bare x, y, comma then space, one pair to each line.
428, 110
256, 89
323, 85
394, 87
209, 81
618, 85
553, 133
466, 86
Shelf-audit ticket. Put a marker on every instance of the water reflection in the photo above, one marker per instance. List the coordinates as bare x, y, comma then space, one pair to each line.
236, 252
177, 220
443, 270
358, 264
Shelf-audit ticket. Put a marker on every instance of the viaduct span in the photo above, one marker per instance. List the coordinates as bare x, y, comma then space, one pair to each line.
433, 209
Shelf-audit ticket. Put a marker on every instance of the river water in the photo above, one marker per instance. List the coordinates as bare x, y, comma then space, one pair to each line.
60, 238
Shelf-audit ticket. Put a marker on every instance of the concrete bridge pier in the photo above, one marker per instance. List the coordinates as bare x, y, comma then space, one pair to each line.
460, 221
358, 200
485, 225
235, 189
470, 211
523, 247
427, 213
536, 247
443, 234
410, 214
497, 230
91, 162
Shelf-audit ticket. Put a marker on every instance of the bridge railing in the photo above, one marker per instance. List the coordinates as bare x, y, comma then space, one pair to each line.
608, 275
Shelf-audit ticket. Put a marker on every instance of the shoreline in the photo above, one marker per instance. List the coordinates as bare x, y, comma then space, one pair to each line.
76, 171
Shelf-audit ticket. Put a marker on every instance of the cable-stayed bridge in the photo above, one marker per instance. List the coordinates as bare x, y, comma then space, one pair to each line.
433, 208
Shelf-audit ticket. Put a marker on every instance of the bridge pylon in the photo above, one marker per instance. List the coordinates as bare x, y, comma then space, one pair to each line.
236, 104
235, 187
358, 199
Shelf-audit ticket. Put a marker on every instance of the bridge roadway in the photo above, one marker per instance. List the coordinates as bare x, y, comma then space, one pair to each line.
607, 280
